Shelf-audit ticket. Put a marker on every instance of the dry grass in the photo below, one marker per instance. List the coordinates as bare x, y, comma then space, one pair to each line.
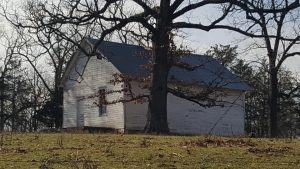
91, 151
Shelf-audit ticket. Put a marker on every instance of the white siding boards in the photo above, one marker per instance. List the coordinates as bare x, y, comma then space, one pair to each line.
190, 118
86, 78
136, 113
80, 100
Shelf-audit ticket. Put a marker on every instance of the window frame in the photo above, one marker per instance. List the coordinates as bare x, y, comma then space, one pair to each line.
102, 110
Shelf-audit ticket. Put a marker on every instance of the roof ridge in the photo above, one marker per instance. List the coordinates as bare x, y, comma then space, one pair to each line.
112, 42
122, 56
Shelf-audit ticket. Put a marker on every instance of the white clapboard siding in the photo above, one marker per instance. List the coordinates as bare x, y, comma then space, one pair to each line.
190, 118
84, 77
136, 113
77, 95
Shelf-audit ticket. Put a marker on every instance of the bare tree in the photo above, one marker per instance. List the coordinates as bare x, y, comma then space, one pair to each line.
15, 104
160, 19
55, 51
276, 26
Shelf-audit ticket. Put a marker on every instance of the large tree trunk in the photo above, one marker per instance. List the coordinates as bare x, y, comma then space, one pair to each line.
58, 96
157, 110
58, 112
273, 101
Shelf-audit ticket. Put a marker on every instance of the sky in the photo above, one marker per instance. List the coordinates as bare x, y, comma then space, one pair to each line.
200, 41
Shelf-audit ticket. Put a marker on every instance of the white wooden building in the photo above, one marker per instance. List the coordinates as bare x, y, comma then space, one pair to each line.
87, 76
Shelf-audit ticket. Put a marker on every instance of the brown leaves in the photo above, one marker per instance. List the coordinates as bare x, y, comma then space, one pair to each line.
269, 151
217, 142
18, 150
121, 78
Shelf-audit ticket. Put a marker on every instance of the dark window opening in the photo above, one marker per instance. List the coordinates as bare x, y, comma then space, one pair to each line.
101, 102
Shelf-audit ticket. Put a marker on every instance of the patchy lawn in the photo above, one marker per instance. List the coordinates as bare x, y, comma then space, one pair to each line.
91, 151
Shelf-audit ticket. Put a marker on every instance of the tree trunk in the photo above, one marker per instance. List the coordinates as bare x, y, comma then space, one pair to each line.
2, 121
34, 120
58, 96
273, 99
58, 101
157, 109
14, 115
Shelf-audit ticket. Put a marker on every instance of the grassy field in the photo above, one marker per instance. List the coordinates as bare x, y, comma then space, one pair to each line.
91, 151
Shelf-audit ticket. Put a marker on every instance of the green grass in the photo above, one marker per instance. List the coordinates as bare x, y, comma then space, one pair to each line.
90, 151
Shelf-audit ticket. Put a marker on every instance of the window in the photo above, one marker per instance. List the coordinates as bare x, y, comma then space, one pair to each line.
101, 102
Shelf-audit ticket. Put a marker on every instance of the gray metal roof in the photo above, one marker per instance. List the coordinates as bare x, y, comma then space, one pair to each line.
129, 58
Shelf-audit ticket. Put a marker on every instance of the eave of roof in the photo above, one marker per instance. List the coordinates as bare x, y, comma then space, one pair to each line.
129, 58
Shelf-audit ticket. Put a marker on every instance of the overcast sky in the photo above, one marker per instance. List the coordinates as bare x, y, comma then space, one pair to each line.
201, 40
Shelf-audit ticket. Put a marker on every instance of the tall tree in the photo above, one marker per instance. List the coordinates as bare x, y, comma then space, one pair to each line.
158, 18
276, 24
45, 45
15, 89
7, 66
225, 54
257, 110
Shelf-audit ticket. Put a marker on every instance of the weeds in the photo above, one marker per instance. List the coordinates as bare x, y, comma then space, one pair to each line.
72, 163
20, 150
269, 150
109, 149
59, 141
5, 140
145, 142
2, 140
92, 151
217, 142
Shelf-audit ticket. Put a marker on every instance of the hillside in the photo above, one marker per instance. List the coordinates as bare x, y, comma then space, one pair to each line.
90, 151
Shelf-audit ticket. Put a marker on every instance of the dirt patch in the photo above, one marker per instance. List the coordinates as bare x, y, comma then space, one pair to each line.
218, 142
270, 150
4, 150
16, 150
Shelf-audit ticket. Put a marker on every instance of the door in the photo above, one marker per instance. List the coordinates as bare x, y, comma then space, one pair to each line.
80, 112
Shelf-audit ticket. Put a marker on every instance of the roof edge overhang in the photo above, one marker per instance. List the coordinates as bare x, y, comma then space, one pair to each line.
84, 46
